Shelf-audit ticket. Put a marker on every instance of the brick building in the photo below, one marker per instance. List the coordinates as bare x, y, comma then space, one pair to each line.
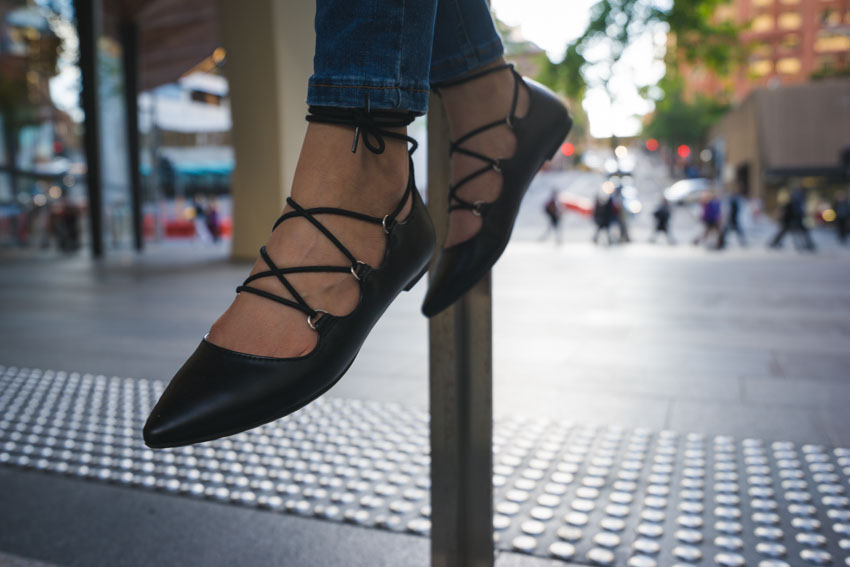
789, 41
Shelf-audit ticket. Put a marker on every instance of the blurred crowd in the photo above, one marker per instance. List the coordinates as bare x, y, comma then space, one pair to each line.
719, 217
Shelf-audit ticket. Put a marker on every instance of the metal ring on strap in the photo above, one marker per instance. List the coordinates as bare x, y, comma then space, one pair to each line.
310, 318
354, 268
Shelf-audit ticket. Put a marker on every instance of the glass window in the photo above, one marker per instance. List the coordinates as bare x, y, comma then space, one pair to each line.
788, 66
831, 17
790, 41
763, 23
761, 68
790, 21
761, 51
832, 42
725, 13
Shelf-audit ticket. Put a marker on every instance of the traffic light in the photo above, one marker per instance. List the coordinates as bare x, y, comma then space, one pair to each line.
652, 144
567, 149
684, 151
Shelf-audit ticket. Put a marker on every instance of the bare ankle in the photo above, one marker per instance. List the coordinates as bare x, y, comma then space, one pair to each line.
483, 99
330, 174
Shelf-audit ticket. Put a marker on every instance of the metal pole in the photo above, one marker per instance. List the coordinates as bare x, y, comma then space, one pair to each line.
129, 33
89, 13
461, 391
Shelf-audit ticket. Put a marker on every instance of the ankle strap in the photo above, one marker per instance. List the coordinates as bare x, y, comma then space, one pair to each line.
472, 77
373, 124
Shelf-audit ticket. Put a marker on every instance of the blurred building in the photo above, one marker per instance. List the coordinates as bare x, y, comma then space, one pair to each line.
524, 54
778, 136
788, 42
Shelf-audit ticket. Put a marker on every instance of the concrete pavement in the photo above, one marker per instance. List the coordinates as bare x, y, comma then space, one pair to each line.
747, 342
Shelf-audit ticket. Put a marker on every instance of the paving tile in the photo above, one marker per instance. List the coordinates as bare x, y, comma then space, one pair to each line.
566, 404
507, 559
9, 560
740, 420
828, 393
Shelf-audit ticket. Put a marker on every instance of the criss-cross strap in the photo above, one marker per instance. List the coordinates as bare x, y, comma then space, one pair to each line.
490, 164
374, 130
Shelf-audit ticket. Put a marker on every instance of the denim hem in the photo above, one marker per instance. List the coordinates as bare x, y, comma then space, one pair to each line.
322, 91
462, 63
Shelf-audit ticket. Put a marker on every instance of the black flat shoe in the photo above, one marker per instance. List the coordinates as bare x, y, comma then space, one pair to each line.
539, 134
220, 392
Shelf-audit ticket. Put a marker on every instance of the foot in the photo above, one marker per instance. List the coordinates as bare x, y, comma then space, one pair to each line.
328, 174
468, 106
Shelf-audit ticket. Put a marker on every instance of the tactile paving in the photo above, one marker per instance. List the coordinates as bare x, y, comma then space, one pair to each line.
585, 494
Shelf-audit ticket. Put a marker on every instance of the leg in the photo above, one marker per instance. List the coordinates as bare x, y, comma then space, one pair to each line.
352, 185
502, 127
776, 242
385, 66
465, 41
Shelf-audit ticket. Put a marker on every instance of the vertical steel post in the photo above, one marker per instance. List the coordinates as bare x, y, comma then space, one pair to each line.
89, 14
129, 34
461, 392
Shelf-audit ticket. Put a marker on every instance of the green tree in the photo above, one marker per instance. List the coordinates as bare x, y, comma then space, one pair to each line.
591, 60
678, 120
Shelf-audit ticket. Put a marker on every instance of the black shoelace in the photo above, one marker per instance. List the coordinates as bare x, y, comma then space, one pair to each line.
372, 127
455, 202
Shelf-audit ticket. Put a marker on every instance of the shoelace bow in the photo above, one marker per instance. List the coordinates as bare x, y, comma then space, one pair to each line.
455, 202
372, 127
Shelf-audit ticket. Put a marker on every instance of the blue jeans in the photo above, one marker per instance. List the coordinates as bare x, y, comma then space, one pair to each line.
393, 50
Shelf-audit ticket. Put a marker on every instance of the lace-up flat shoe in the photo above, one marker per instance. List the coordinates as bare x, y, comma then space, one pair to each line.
220, 392
539, 134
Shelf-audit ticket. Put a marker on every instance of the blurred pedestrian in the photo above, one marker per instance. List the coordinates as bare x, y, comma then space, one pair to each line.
213, 221
841, 206
199, 219
603, 212
618, 213
794, 220
710, 218
553, 212
662, 216
733, 221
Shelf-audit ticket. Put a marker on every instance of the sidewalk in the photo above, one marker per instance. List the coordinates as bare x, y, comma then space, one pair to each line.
747, 343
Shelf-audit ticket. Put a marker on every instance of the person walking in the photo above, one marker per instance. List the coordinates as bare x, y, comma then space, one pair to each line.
794, 221
733, 221
554, 212
619, 214
710, 218
662, 215
355, 232
603, 213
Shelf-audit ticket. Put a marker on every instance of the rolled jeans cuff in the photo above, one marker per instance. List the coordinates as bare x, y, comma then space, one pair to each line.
467, 60
352, 93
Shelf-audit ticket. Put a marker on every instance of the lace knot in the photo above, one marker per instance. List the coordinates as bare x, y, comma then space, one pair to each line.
372, 126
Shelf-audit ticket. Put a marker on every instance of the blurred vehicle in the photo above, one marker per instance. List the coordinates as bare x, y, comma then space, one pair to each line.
687, 191
577, 203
